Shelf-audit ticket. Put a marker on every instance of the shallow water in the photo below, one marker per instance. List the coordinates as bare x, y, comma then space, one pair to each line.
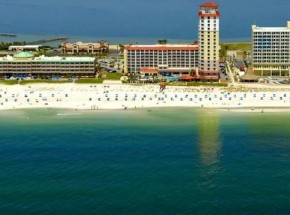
163, 161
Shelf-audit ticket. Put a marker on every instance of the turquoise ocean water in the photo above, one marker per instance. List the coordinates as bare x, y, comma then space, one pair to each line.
167, 161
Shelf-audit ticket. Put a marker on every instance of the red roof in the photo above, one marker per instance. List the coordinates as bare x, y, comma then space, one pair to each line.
156, 70
146, 69
209, 4
186, 77
162, 48
216, 14
209, 77
208, 72
177, 70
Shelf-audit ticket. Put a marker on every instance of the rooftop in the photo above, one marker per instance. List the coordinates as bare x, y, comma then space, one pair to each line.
9, 58
257, 28
161, 47
249, 75
209, 4
67, 59
26, 46
157, 70
23, 55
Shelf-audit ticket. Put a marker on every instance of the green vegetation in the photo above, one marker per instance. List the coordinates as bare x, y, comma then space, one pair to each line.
106, 76
8, 82
89, 81
241, 48
206, 84
114, 76
23, 82
102, 77
41, 81
236, 46
110, 75
122, 48
5, 46
163, 41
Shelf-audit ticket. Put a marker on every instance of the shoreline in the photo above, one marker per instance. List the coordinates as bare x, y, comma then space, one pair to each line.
28, 37
150, 109
123, 97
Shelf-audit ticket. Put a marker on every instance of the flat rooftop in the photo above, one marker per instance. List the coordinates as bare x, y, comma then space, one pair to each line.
68, 59
9, 58
25, 46
162, 47
271, 29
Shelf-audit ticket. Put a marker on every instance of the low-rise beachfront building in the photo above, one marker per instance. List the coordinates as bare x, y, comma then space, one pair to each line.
173, 59
271, 50
84, 48
26, 64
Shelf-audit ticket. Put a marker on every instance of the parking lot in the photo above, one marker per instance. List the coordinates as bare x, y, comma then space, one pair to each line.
223, 72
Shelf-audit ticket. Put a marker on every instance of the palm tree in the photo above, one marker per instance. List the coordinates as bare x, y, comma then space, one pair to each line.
122, 47
98, 68
245, 55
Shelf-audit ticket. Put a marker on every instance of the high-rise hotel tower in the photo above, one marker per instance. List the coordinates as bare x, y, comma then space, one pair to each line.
208, 38
271, 50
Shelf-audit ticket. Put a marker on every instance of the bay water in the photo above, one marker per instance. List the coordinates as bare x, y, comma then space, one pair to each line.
131, 21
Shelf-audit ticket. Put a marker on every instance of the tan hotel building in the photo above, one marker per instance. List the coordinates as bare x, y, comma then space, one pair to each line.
199, 60
208, 39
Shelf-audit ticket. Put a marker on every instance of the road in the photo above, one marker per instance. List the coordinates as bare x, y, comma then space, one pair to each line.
230, 74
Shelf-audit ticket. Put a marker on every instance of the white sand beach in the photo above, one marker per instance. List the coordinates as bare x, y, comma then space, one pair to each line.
121, 96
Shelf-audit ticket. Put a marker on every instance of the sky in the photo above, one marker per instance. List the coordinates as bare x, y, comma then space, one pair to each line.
136, 18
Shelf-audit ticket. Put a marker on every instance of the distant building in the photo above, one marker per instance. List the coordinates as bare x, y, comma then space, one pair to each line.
208, 39
84, 48
271, 50
175, 59
25, 64
25, 48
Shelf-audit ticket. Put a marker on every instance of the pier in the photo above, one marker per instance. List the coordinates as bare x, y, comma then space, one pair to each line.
7, 35
47, 40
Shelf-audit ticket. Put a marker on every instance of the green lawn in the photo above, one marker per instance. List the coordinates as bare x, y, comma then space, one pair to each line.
78, 81
206, 84
246, 46
112, 76
109, 76
44, 81
12, 82
100, 80
89, 81
8, 82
